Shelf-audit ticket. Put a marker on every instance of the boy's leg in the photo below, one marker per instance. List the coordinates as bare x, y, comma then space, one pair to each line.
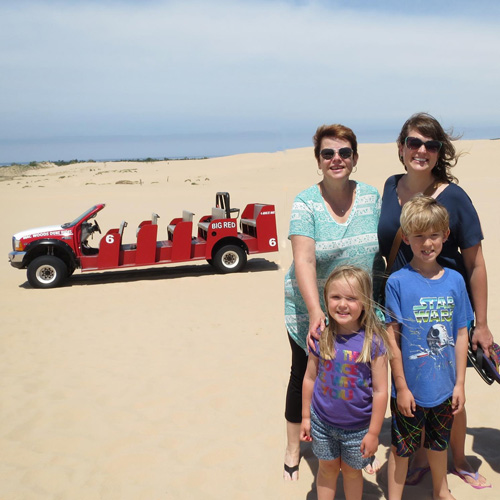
326, 482
353, 482
406, 437
438, 423
438, 463
397, 467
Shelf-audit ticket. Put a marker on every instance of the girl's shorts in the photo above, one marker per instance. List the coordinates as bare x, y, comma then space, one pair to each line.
330, 443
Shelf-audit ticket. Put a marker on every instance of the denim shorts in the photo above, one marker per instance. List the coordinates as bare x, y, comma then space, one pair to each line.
330, 443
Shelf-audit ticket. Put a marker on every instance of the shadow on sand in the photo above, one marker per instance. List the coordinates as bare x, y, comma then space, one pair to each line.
166, 272
486, 444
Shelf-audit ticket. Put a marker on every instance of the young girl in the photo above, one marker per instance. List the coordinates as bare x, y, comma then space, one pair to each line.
345, 388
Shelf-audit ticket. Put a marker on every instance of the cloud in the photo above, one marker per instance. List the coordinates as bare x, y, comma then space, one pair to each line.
166, 66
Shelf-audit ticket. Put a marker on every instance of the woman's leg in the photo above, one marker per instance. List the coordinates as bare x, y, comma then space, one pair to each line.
293, 411
326, 482
457, 444
353, 482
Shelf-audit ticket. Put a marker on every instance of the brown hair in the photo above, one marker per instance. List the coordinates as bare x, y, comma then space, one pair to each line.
336, 131
368, 319
428, 126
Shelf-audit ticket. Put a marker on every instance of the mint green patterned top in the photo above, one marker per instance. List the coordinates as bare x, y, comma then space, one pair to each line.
353, 242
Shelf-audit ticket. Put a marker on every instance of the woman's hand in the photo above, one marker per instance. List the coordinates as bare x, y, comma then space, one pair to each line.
316, 327
483, 337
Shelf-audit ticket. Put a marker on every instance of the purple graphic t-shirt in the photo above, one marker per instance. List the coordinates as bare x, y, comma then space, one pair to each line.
342, 394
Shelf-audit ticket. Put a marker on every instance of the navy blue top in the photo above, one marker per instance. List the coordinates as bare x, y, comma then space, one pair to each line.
465, 227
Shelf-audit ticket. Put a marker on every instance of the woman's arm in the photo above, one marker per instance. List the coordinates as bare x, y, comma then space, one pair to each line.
307, 392
476, 272
458, 399
304, 258
369, 444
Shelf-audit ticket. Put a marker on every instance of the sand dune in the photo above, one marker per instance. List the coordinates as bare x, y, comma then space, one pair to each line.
169, 383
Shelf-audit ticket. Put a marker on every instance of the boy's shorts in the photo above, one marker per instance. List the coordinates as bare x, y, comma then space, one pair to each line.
406, 432
330, 443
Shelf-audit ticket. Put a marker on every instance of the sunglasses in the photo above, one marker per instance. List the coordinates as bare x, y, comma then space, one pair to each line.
328, 154
415, 143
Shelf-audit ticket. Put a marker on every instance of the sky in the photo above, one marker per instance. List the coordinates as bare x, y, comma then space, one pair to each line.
113, 78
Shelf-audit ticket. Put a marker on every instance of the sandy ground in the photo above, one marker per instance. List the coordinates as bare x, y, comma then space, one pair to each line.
169, 383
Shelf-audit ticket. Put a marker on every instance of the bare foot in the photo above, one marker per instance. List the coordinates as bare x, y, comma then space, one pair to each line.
373, 467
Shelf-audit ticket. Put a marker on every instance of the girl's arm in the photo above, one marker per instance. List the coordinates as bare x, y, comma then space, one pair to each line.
304, 258
458, 398
406, 402
476, 272
307, 392
369, 444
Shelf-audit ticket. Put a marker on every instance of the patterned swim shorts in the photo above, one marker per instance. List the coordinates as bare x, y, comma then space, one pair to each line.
406, 432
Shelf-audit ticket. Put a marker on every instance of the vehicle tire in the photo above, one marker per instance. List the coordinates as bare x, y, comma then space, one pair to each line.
46, 271
229, 259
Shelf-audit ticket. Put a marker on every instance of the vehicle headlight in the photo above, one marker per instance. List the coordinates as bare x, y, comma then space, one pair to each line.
17, 245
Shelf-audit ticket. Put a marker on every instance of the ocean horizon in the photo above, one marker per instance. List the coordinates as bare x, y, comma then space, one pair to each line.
183, 145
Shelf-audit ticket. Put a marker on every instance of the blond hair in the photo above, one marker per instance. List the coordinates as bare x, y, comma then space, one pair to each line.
368, 320
423, 213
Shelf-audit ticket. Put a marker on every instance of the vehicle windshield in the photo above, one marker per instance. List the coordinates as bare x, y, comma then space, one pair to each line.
80, 217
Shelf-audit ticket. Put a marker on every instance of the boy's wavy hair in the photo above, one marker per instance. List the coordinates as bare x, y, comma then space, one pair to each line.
369, 322
428, 126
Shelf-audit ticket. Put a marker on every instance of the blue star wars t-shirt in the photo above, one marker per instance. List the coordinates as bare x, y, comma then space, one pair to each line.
430, 313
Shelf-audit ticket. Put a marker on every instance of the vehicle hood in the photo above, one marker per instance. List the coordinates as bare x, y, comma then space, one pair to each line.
45, 231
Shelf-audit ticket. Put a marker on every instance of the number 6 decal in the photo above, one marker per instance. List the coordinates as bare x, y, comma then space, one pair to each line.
272, 242
110, 238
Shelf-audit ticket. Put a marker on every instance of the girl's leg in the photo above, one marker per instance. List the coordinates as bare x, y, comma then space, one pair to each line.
353, 482
293, 410
438, 463
457, 444
397, 467
326, 482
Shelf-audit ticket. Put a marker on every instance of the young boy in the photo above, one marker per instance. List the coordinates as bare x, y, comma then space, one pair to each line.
427, 314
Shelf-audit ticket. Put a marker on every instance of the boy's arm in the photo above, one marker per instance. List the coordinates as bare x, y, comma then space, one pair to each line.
307, 392
369, 444
406, 402
458, 398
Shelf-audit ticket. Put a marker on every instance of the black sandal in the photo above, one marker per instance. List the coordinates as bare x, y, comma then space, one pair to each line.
290, 470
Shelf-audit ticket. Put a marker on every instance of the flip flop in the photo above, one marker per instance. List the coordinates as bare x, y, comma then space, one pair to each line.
374, 465
492, 364
487, 368
463, 474
418, 472
290, 470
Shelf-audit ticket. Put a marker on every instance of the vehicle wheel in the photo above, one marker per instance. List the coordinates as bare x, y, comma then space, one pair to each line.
229, 259
47, 271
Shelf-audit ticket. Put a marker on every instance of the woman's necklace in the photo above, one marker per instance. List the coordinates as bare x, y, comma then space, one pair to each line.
405, 193
336, 207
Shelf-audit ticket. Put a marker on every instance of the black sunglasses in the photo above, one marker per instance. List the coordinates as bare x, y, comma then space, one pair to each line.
415, 143
328, 154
